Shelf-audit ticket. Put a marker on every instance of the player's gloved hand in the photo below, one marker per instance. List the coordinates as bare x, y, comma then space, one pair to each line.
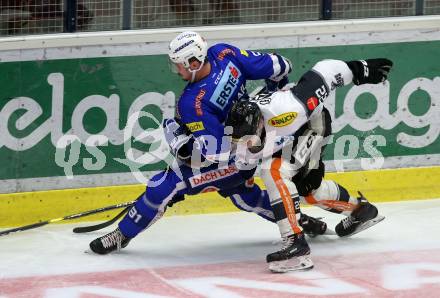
175, 199
311, 181
176, 135
272, 86
312, 226
370, 71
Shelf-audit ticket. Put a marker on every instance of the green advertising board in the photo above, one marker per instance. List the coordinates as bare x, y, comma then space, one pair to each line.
44, 102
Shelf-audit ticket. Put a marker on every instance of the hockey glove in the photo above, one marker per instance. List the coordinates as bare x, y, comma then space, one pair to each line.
311, 181
370, 71
272, 86
177, 137
177, 198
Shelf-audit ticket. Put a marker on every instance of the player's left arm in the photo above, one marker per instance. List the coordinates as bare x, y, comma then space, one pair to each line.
337, 73
184, 145
208, 143
256, 65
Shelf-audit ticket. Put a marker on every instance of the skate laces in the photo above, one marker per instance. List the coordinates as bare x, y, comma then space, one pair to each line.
287, 242
348, 221
114, 238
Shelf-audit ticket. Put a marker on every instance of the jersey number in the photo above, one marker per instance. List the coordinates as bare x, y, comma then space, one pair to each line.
134, 215
263, 98
321, 93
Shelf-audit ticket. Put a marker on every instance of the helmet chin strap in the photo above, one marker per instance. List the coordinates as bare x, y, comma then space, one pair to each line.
194, 71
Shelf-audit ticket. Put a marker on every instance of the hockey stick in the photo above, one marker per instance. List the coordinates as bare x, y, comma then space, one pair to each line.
73, 216
100, 226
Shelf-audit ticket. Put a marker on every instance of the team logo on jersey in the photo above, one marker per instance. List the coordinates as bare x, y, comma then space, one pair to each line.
227, 85
198, 102
195, 126
283, 119
225, 52
312, 103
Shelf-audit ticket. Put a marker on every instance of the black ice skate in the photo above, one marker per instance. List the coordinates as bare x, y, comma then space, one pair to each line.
311, 226
365, 216
109, 242
293, 256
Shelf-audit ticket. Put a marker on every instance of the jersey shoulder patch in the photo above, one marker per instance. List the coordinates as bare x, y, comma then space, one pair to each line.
311, 90
222, 51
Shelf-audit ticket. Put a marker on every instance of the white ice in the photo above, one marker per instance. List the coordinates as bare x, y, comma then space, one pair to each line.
209, 239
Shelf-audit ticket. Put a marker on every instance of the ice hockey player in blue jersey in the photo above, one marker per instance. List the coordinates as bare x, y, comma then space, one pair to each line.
216, 79
216, 84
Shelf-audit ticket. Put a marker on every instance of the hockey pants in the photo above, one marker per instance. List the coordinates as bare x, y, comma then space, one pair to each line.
162, 187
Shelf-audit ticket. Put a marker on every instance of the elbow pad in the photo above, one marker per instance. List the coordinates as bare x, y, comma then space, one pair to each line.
281, 67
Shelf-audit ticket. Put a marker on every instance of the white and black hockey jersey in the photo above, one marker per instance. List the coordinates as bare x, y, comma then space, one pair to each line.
285, 112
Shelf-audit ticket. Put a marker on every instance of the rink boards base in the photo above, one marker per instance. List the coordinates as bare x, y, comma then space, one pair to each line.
378, 186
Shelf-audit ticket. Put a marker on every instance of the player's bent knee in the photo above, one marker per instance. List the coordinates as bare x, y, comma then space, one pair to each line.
327, 190
160, 187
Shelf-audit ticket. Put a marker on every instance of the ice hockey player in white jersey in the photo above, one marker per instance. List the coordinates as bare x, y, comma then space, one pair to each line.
288, 130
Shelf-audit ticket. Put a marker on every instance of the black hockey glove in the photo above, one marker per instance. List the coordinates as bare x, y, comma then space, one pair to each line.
312, 226
272, 86
175, 199
311, 181
370, 71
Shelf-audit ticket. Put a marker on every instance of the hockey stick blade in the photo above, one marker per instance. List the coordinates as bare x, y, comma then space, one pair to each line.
100, 226
68, 217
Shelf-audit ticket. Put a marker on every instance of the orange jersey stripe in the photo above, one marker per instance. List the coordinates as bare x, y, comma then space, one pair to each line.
311, 200
337, 205
285, 194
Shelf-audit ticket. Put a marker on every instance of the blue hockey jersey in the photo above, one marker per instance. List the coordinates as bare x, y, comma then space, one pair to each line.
204, 105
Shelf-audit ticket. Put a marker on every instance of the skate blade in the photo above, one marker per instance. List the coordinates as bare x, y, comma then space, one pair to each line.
327, 232
295, 264
367, 225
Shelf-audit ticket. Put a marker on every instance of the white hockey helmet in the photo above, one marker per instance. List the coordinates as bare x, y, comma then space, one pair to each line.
187, 45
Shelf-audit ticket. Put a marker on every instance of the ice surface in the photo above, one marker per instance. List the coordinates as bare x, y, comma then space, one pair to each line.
237, 243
